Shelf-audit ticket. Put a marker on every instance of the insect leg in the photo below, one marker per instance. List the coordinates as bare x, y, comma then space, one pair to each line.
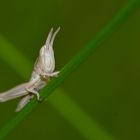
13, 93
34, 92
53, 74
23, 102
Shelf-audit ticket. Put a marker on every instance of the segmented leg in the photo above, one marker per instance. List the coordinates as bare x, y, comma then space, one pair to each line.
34, 92
23, 102
54, 74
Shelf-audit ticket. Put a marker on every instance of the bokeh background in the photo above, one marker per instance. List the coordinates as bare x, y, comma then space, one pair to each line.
106, 88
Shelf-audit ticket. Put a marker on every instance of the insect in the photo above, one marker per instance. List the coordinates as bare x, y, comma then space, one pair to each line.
42, 72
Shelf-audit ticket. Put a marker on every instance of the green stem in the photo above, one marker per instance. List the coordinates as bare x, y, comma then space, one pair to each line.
72, 65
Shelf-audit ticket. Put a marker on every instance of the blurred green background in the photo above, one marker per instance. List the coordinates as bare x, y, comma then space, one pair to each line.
105, 88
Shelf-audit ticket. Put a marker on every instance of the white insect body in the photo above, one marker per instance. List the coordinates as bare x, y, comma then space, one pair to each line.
42, 72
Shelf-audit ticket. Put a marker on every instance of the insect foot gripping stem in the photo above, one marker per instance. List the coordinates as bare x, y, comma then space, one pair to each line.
53, 74
34, 92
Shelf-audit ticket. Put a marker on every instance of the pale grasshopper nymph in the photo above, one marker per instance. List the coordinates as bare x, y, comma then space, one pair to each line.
42, 72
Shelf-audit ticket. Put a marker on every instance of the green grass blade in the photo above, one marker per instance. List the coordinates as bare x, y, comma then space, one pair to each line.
7, 49
72, 65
